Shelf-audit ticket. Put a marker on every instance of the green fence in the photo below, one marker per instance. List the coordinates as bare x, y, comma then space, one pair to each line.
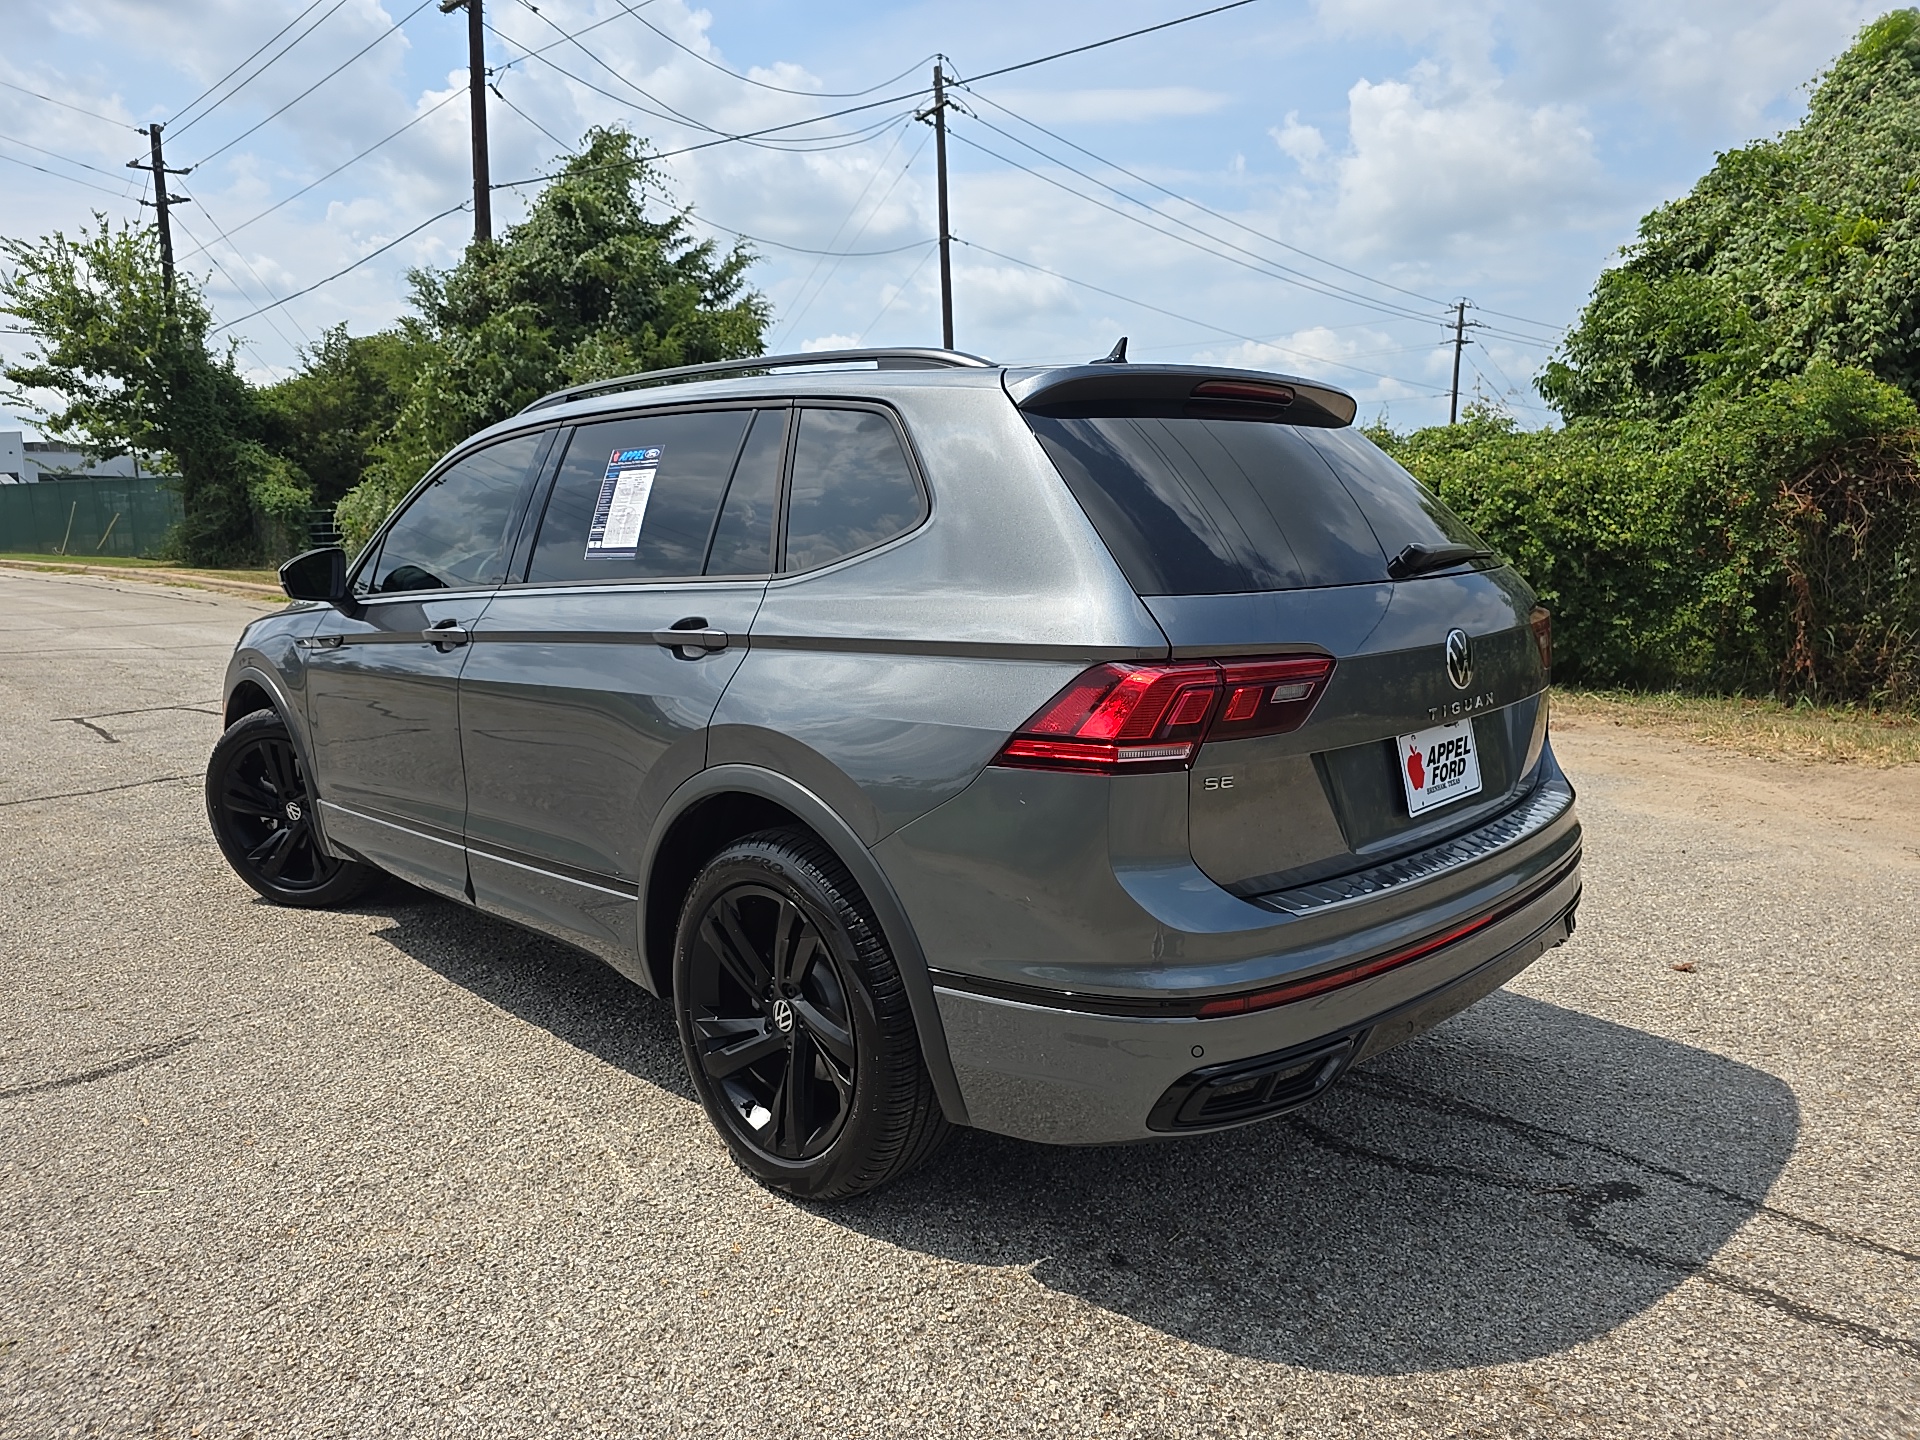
120, 516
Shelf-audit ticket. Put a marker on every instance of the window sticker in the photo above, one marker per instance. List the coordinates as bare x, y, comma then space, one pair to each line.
622, 506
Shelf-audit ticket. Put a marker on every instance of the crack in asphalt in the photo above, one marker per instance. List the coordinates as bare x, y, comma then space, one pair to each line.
100, 730
1466, 1109
98, 790
146, 1055
1586, 1203
198, 707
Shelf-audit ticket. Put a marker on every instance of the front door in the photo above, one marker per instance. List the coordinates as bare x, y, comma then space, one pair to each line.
586, 698
383, 672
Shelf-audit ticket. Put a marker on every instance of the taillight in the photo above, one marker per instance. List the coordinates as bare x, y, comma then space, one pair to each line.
1136, 718
1541, 622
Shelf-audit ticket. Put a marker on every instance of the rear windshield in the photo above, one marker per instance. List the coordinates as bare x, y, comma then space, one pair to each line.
1217, 507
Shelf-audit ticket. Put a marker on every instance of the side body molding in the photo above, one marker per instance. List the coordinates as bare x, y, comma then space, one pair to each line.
866, 872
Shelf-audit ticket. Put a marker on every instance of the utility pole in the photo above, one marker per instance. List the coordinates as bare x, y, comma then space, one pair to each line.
1460, 342
477, 102
157, 163
938, 113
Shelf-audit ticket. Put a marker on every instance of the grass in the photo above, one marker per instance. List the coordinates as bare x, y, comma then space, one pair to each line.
1766, 728
134, 562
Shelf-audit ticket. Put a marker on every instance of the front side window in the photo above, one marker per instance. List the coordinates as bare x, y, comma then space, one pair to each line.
454, 534
636, 498
852, 487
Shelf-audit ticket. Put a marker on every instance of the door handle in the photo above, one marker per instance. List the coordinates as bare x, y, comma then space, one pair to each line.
445, 635
691, 634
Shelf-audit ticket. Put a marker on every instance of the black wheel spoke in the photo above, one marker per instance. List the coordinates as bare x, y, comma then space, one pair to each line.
245, 798
796, 1107
271, 854
834, 1037
736, 952
740, 1043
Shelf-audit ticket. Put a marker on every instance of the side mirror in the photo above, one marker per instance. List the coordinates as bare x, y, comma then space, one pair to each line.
316, 575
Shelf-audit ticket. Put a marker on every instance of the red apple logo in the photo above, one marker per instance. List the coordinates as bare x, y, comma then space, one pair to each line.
1417, 771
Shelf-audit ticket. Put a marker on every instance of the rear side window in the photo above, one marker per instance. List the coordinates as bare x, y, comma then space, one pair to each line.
852, 487
454, 534
637, 498
1212, 507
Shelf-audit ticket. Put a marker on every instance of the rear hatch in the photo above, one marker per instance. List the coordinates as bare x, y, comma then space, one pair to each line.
1253, 522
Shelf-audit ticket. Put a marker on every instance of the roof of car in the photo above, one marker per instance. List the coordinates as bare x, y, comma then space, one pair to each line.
1032, 387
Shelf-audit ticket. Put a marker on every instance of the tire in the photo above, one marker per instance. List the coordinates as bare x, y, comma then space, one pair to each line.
794, 1023
260, 804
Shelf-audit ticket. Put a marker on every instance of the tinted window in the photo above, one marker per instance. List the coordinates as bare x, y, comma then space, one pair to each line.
455, 533
1213, 507
636, 499
1401, 510
852, 487
743, 540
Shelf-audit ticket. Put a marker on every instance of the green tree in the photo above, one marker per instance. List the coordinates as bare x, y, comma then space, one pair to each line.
1800, 248
328, 418
590, 285
133, 370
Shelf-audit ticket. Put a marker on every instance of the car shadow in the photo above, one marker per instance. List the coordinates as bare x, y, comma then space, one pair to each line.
1521, 1180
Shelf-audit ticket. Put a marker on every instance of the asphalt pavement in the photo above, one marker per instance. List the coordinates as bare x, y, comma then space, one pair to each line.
402, 1169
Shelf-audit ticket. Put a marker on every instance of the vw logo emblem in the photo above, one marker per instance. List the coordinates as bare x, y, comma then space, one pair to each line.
293, 810
782, 1016
1459, 659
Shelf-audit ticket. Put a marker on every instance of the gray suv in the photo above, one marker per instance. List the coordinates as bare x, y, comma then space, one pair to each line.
1086, 753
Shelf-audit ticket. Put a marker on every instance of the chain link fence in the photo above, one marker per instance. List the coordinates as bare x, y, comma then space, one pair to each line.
111, 516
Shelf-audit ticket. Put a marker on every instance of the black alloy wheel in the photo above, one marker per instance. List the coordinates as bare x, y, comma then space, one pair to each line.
771, 1016
796, 1028
261, 807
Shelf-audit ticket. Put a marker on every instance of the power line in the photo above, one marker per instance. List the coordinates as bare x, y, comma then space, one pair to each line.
447, 99
431, 219
260, 279
392, 29
78, 110
900, 290
1185, 200
70, 179
1111, 40
1258, 264
500, 95
240, 290
762, 84
67, 159
1191, 320
180, 125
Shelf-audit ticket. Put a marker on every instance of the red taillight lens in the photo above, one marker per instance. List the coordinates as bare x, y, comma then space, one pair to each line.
1541, 623
1134, 718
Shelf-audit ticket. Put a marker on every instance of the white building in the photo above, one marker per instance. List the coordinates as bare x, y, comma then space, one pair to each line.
23, 461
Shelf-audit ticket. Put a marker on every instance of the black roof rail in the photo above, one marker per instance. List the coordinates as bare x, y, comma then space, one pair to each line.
900, 359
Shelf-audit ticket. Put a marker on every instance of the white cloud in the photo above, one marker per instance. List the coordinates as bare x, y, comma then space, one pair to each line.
1303, 143
1426, 171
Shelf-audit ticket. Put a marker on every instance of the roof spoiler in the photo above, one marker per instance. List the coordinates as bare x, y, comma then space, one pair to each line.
896, 359
1174, 391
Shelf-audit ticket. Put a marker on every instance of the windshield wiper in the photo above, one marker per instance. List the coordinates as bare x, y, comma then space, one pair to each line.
1417, 559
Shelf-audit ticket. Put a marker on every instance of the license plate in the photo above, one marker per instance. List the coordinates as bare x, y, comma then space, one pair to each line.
1439, 765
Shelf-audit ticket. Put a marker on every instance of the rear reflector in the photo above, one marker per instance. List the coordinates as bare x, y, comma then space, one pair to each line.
1541, 622
1335, 979
1135, 718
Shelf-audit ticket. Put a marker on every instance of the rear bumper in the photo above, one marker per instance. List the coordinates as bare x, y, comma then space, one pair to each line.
1064, 1076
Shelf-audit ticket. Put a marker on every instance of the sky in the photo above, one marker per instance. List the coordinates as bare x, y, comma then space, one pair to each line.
1307, 186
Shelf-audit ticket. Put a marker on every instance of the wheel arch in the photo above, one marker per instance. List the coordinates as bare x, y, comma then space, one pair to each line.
252, 688
725, 802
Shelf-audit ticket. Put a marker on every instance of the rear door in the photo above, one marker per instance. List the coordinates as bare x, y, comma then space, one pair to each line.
1251, 537
593, 676
383, 672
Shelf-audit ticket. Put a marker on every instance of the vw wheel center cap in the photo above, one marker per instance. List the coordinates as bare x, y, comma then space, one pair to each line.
1459, 659
782, 1016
